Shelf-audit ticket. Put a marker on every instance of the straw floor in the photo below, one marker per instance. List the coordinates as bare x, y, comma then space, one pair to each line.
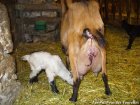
123, 73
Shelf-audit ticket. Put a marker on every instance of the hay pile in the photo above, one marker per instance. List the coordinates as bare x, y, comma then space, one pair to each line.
123, 72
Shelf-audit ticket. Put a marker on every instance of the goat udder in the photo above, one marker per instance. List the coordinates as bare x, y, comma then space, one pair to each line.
91, 54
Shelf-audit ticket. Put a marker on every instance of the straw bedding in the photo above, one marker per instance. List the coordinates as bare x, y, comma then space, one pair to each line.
123, 72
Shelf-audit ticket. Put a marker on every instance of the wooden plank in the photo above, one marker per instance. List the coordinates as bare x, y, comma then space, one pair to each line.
138, 10
106, 10
113, 9
128, 9
48, 20
38, 7
120, 10
22, 27
101, 8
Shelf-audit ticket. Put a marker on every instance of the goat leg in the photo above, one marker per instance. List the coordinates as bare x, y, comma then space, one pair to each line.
131, 40
105, 80
75, 90
33, 76
33, 79
53, 87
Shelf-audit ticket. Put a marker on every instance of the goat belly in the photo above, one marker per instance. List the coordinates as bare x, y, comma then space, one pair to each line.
89, 57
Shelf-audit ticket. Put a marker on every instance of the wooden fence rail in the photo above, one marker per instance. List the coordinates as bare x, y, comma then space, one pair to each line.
117, 10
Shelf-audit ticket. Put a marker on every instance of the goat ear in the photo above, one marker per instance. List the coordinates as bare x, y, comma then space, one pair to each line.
100, 39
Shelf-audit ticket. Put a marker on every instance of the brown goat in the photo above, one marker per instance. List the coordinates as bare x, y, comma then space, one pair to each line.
82, 31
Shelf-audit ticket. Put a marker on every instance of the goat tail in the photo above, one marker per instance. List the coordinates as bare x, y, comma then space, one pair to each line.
25, 57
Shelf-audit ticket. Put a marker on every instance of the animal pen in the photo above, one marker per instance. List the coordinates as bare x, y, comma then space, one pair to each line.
117, 10
28, 26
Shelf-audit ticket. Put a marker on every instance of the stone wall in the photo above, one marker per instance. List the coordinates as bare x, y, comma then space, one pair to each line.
9, 87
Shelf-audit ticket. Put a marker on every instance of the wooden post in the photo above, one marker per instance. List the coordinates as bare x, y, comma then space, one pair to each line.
120, 10
100, 4
106, 10
138, 7
101, 8
128, 10
113, 9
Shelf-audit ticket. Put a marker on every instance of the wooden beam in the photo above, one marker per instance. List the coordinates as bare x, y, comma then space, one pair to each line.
120, 10
138, 10
101, 8
106, 10
128, 10
47, 19
38, 7
113, 9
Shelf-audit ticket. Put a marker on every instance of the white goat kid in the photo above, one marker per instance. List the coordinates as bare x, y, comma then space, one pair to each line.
53, 66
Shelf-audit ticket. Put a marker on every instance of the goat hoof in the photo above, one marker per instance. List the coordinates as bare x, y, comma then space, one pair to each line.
32, 80
73, 99
128, 48
108, 92
55, 91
